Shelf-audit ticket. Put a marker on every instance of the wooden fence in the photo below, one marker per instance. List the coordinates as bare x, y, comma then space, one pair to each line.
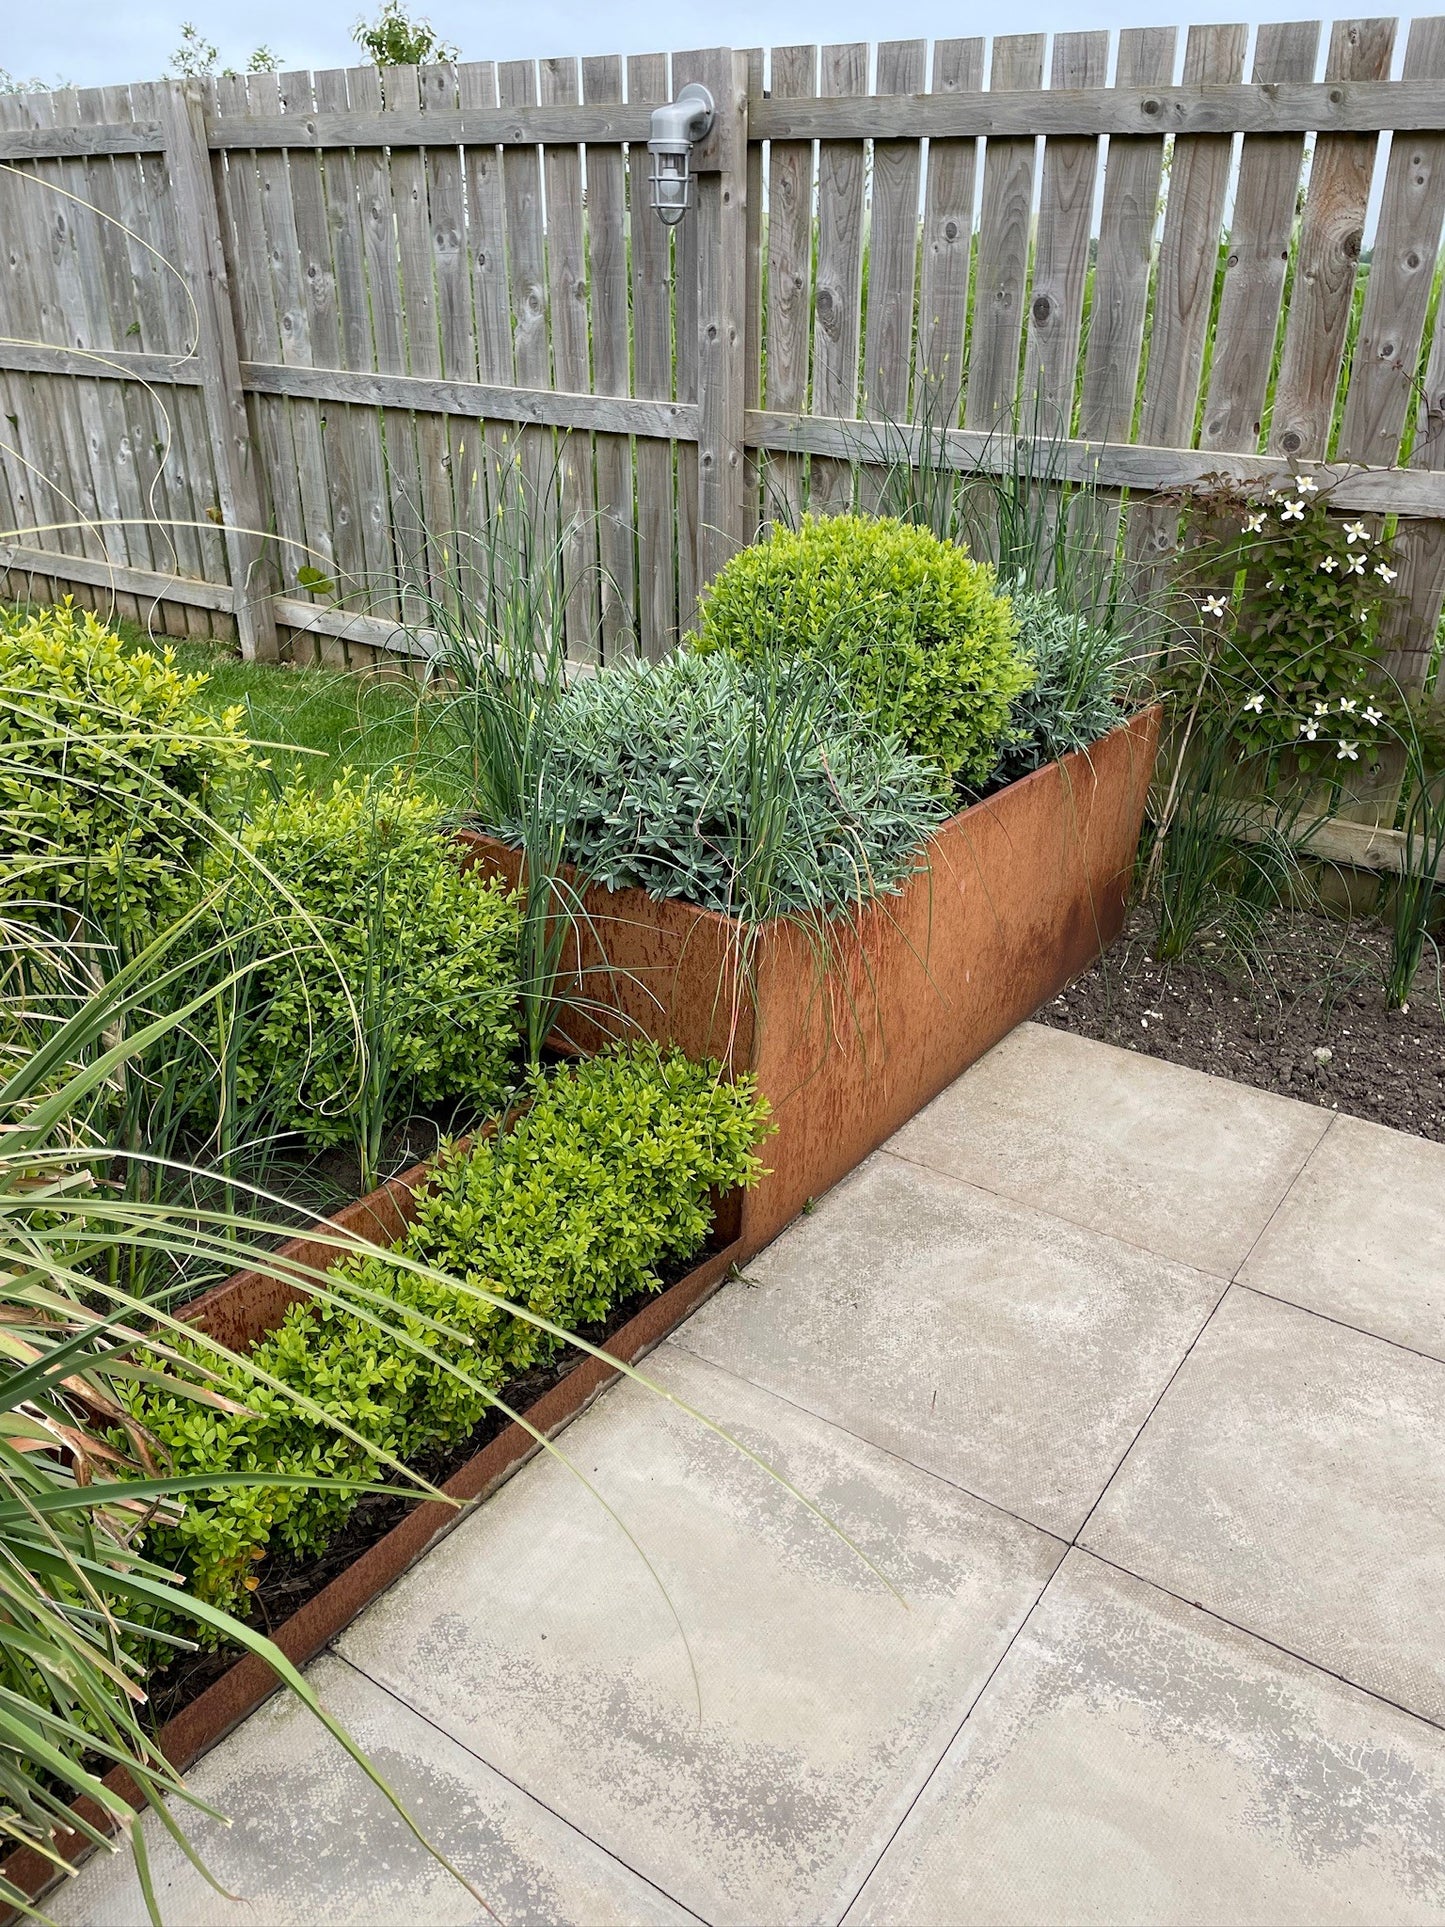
270, 329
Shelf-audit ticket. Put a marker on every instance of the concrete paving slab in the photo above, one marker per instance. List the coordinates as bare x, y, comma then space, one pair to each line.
1133, 1760
1008, 1351
1186, 1165
1361, 1236
313, 1844
536, 1636
1292, 1479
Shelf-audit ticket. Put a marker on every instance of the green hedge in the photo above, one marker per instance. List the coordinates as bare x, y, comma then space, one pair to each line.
108, 762
400, 951
604, 1180
916, 627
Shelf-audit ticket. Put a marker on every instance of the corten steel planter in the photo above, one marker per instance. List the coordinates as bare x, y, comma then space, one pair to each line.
246, 1306
849, 1039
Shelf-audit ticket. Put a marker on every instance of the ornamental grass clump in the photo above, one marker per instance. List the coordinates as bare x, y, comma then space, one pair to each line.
912, 625
1080, 669
109, 765
754, 790
396, 980
601, 1183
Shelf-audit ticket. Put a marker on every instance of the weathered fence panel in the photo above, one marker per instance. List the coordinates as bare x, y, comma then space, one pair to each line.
270, 345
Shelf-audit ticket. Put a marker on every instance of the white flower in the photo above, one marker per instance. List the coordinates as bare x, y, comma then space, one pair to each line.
1352, 750
1385, 575
1255, 522
1309, 729
1373, 716
1292, 512
1215, 605
1329, 565
1306, 484
1354, 531
1355, 565
1256, 703
1322, 709
1347, 705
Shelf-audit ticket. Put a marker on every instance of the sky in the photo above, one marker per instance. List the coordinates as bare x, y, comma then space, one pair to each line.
100, 42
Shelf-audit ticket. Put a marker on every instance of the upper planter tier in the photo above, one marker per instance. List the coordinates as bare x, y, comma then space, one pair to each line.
852, 1035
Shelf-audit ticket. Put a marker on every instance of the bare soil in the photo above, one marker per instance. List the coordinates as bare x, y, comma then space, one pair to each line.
1306, 1017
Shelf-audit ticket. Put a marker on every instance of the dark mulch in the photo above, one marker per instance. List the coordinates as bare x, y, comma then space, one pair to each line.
1306, 1017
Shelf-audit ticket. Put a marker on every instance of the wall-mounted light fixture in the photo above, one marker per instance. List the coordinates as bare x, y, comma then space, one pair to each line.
675, 129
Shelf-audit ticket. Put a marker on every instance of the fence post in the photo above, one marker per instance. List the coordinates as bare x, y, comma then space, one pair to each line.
725, 519
203, 262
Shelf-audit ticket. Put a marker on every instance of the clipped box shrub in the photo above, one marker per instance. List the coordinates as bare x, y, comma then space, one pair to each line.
604, 1180
756, 791
389, 960
109, 766
914, 625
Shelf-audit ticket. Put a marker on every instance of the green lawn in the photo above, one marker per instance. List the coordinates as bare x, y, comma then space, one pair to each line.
312, 723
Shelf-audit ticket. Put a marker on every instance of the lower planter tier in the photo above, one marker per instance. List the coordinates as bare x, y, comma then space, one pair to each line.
851, 1034
241, 1310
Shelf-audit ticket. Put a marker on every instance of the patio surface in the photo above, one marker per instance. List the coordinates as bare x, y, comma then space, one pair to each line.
1132, 1383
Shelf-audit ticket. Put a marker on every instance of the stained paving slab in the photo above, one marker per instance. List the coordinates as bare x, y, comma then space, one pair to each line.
311, 1839
1119, 1388
823, 1696
1189, 1166
1005, 1350
1361, 1236
1292, 1480
1133, 1759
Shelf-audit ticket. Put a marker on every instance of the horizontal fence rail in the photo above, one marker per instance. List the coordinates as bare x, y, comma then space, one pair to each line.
1264, 108
267, 342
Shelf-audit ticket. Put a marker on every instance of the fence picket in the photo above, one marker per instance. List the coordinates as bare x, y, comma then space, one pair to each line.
368, 567
893, 245
753, 287
1329, 254
482, 451
947, 247
166, 452
567, 302
1061, 257
1126, 234
527, 281
1382, 386
435, 548
843, 70
109, 311
1402, 269
1259, 244
1003, 247
1184, 293
607, 277
790, 276
81, 313
652, 377
456, 353
43, 436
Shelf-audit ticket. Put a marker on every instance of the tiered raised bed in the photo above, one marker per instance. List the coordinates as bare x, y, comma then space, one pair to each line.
850, 1037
